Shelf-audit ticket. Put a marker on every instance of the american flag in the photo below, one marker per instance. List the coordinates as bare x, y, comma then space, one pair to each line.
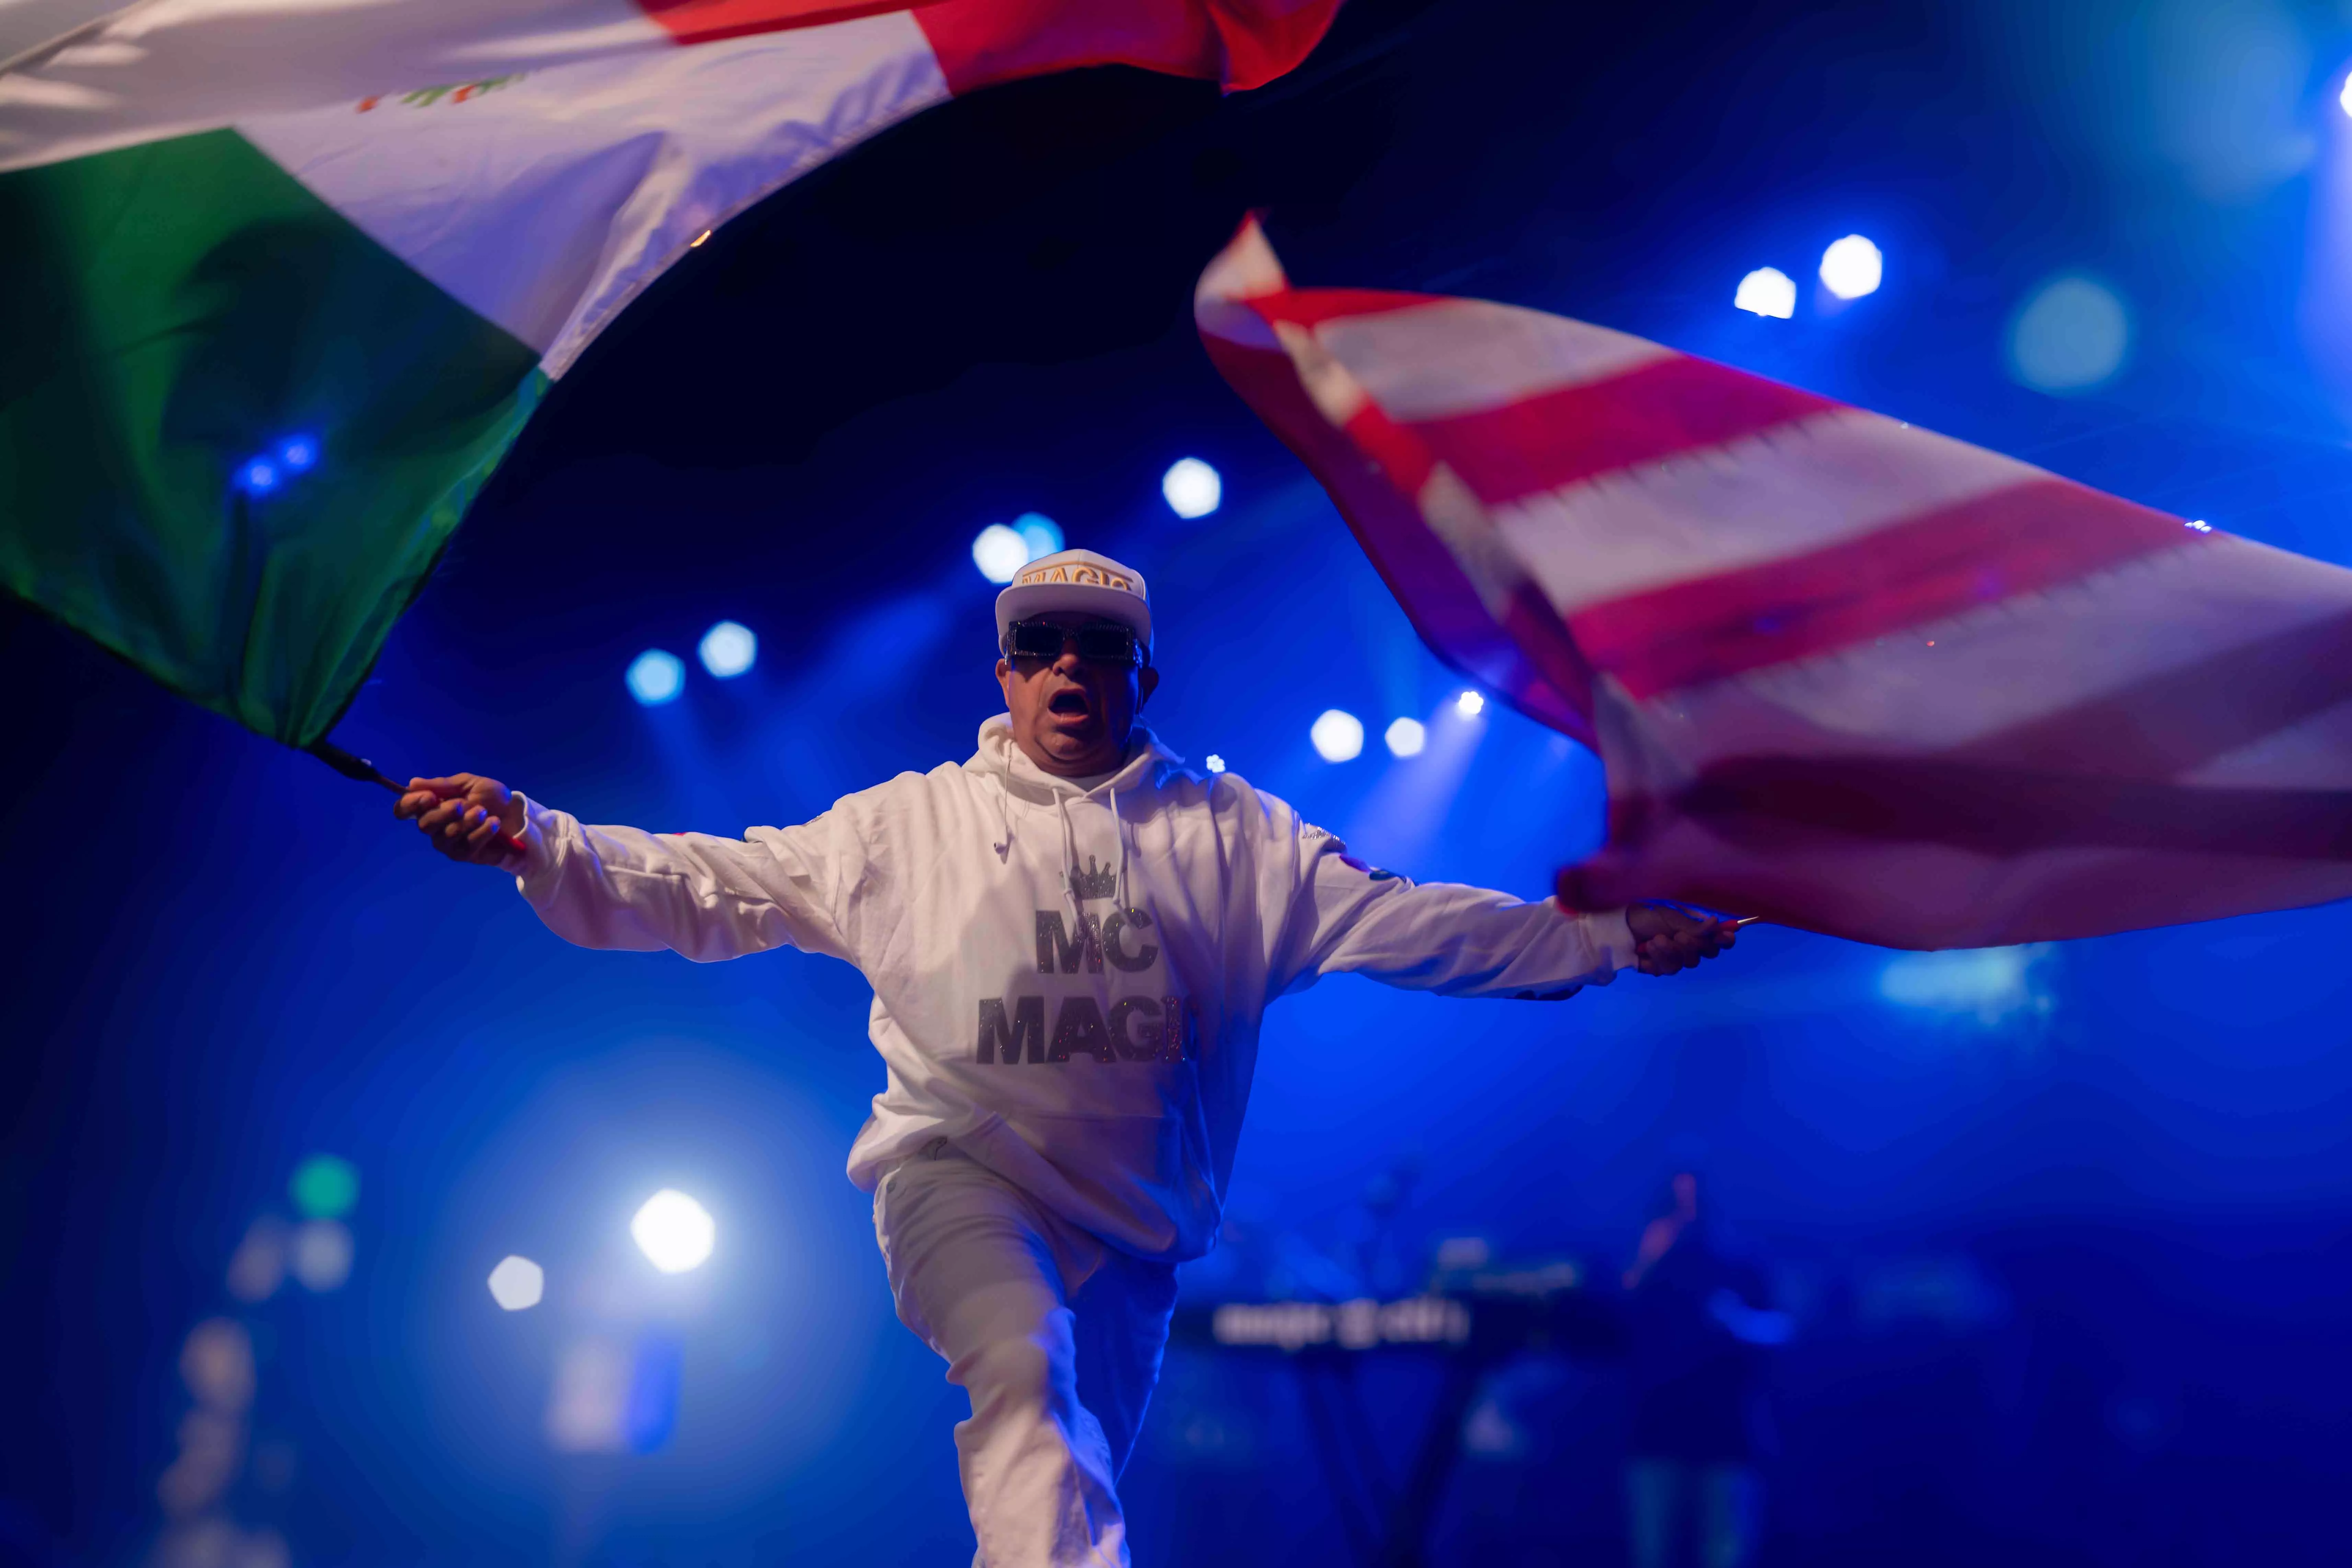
1845, 673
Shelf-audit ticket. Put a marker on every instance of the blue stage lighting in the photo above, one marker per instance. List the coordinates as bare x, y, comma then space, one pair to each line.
300, 453
258, 477
999, 552
1406, 737
1339, 736
1988, 984
518, 1284
1767, 291
655, 677
1216, 765
674, 1231
2072, 335
728, 650
1852, 268
2344, 99
1041, 534
1470, 704
1191, 488
2201, 526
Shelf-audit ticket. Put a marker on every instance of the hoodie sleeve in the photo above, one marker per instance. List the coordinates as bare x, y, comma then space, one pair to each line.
704, 897
1345, 916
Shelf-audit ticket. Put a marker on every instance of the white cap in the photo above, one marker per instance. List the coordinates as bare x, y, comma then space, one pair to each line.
1076, 580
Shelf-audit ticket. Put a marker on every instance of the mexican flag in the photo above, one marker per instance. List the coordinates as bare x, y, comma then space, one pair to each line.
284, 278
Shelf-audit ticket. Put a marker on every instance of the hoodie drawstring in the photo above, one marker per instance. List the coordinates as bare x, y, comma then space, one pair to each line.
1118, 831
1069, 836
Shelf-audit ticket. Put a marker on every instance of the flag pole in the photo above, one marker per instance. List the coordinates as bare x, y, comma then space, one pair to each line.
365, 771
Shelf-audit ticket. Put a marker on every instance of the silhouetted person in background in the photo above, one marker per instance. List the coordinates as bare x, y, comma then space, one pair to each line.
1698, 1324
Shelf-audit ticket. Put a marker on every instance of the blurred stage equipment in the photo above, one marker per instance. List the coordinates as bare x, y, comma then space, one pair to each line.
1474, 1319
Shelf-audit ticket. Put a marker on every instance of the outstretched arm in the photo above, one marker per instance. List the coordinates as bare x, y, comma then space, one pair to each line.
704, 897
1471, 941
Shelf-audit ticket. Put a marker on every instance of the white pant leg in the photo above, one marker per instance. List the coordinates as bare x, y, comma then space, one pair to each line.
986, 1276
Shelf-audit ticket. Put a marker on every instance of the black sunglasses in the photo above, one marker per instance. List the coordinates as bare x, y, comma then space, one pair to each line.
1099, 642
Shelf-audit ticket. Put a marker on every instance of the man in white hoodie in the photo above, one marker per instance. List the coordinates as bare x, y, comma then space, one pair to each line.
1071, 938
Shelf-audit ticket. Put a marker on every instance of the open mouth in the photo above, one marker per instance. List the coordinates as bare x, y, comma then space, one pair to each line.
1071, 703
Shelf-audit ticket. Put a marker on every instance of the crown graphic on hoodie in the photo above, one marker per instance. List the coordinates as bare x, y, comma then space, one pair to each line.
1095, 881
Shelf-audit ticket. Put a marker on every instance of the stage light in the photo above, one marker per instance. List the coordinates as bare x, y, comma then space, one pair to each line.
1470, 704
1767, 291
517, 1284
2201, 526
1406, 737
324, 1187
2344, 99
217, 1363
674, 1231
320, 1256
258, 477
728, 650
655, 677
999, 552
1991, 983
1040, 534
2070, 335
1216, 765
258, 1266
1191, 488
299, 454
1852, 268
1338, 736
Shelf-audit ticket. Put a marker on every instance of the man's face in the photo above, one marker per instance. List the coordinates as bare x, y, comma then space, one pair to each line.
1071, 717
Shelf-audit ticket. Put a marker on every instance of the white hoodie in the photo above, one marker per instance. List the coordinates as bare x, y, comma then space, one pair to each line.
1067, 982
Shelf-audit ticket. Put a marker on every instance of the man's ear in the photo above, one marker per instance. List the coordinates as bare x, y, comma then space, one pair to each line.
1147, 681
1005, 682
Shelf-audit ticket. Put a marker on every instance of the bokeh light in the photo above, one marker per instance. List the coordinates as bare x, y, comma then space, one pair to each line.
1191, 488
300, 453
674, 1231
258, 1266
1767, 291
1852, 268
999, 552
258, 477
1215, 763
728, 650
1339, 736
324, 1187
321, 1256
1406, 737
2072, 335
517, 1284
1988, 984
1040, 534
1470, 704
655, 677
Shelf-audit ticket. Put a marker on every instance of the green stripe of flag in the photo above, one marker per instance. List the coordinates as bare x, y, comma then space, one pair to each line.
169, 311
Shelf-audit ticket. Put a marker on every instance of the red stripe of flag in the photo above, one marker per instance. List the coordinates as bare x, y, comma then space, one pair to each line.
1313, 306
1241, 43
2179, 719
706, 21
2018, 539
1659, 410
1787, 802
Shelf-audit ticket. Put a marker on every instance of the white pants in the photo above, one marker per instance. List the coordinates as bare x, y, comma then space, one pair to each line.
1056, 1336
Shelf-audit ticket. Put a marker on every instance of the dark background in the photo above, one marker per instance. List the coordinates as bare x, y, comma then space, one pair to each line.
2068, 1249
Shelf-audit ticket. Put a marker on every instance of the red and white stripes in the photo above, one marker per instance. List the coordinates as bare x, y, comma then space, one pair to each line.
1845, 673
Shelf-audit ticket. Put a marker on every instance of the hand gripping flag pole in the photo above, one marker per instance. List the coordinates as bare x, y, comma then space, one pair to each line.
359, 768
